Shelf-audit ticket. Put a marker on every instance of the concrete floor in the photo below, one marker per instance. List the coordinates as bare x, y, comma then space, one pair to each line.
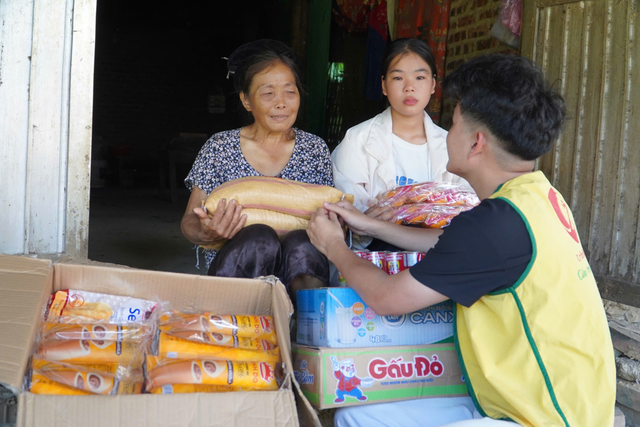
136, 228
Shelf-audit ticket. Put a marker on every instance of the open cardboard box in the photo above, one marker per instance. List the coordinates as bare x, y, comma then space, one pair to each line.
25, 287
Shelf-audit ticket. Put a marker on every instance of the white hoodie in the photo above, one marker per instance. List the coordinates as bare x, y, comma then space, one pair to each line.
363, 163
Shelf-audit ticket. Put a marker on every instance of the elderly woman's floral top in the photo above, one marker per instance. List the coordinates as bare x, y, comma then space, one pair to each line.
221, 160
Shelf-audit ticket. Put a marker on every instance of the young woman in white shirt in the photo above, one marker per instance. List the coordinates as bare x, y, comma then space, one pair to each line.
401, 145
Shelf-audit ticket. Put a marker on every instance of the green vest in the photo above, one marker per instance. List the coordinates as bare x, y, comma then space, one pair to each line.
539, 353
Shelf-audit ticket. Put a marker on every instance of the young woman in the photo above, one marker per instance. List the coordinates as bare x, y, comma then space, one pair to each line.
401, 145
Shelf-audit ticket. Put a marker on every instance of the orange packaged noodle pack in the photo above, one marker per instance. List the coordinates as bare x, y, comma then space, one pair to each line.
95, 379
223, 340
172, 347
246, 375
258, 327
428, 215
89, 351
43, 385
429, 192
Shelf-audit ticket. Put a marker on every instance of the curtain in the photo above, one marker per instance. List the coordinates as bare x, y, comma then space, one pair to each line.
427, 20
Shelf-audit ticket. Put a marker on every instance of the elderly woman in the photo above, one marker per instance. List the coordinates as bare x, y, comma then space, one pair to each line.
266, 75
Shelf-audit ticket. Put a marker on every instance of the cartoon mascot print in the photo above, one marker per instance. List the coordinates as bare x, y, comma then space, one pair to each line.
348, 382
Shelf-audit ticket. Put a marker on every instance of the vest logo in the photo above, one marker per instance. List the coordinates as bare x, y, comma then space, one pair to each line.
562, 210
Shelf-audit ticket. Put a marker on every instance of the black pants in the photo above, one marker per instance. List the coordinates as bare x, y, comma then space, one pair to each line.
257, 251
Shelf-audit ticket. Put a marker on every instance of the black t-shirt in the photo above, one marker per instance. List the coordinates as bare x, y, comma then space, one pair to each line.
483, 250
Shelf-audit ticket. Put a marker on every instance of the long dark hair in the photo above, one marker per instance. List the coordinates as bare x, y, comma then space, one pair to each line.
401, 47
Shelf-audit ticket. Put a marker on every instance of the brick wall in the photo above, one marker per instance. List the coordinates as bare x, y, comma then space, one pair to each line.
469, 25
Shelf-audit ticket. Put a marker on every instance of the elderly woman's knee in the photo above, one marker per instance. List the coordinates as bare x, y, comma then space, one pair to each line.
297, 242
258, 232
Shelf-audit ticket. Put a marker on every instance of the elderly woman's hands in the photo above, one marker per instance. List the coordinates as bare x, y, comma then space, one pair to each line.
225, 223
201, 229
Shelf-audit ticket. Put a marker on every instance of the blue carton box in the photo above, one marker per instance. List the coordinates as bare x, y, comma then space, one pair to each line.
338, 318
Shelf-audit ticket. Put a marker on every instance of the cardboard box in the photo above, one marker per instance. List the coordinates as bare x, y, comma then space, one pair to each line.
381, 374
25, 287
338, 318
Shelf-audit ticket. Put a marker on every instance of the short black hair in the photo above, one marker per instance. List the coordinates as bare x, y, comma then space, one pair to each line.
509, 95
404, 46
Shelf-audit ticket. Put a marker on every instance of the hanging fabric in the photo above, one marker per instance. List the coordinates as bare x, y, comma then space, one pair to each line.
427, 20
377, 35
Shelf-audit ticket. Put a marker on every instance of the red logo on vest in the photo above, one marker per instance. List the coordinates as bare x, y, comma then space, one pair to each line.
562, 210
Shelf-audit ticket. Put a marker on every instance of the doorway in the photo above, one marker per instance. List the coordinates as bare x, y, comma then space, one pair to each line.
160, 90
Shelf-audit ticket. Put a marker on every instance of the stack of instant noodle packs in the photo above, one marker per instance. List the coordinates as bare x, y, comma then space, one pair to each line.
428, 204
93, 343
208, 353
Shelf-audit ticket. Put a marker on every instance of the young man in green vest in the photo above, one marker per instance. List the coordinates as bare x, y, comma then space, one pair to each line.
530, 329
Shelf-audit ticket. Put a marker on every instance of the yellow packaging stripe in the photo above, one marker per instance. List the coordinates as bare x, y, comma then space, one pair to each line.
108, 368
259, 327
247, 375
88, 351
176, 348
98, 383
193, 388
43, 385
214, 338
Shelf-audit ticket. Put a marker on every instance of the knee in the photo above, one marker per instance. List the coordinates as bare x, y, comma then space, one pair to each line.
259, 232
298, 242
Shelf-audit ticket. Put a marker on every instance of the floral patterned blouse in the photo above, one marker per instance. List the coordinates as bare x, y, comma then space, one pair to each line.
221, 160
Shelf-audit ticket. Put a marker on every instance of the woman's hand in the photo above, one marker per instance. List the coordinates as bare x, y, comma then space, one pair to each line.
225, 223
383, 213
201, 229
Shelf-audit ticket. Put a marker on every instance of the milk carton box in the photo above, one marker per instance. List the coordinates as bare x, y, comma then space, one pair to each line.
339, 318
338, 377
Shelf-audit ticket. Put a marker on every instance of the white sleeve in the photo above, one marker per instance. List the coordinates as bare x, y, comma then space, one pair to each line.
350, 172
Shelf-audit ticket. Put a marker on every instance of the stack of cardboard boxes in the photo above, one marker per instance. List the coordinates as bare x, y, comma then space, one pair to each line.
25, 287
348, 355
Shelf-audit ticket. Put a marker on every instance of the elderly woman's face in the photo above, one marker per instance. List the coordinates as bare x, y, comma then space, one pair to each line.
273, 98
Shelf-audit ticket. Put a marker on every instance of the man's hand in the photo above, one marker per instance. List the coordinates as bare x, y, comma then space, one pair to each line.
325, 230
357, 221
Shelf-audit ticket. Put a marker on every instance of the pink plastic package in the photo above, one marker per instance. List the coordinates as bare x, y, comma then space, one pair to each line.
429, 192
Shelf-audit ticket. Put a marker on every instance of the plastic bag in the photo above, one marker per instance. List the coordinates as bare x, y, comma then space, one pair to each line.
172, 347
92, 343
95, 331
71, 306
429, 192
429, 215
289, 197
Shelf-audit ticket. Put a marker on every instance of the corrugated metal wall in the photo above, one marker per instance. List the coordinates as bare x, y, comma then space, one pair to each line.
587, 50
